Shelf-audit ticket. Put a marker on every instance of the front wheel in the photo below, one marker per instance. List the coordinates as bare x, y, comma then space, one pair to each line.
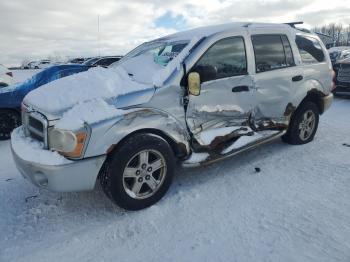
9, 120
139, 172
303, 125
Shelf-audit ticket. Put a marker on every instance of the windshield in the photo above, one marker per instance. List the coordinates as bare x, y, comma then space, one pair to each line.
91, 61
161, 51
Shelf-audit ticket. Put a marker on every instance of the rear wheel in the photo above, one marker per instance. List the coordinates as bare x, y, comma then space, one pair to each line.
9, 120
303, 125
139, 173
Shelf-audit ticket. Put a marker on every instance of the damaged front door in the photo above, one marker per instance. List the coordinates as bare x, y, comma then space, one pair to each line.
226, 98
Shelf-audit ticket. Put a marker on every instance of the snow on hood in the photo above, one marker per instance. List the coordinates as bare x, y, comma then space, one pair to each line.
89, 112
85, 97
93, 84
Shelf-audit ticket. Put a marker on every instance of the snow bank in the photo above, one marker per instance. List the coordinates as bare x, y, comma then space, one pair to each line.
20, 76
95, 83
32, 150
88, 112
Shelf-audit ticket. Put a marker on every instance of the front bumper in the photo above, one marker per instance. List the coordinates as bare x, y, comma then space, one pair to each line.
326, 102
342, 87
75, 176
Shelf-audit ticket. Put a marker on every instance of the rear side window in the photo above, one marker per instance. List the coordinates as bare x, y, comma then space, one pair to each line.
310, 49
226, 58
272, 52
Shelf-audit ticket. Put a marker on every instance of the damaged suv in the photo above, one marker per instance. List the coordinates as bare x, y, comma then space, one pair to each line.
193, 97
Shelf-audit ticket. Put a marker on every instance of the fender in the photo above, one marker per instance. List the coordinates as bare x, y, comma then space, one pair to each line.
312, 89
108, 134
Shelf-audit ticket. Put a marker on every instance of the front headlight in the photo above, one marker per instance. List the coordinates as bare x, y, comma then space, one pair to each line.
67, 143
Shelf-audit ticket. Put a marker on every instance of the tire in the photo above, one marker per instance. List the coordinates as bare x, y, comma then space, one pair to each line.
9, 120
129, 170
303, 125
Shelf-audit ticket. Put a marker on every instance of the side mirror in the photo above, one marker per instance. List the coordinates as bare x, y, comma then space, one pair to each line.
194, 84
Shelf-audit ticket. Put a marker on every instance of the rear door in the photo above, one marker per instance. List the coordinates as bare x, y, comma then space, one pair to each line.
315, 66
226, 99
275, 72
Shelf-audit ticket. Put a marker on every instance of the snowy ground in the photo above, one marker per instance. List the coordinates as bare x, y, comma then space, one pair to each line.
296, 209
22, 75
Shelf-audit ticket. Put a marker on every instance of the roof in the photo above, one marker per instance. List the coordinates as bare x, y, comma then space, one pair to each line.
222, 28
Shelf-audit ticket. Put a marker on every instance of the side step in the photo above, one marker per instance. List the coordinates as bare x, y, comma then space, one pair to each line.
205, 158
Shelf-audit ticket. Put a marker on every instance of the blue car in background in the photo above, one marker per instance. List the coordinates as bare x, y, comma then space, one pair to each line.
12, 96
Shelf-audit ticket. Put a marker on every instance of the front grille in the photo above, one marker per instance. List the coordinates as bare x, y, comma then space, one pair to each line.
32, 122
35, 126
35, 129
344, 73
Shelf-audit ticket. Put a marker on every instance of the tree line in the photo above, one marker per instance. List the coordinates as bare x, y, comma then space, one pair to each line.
339, 34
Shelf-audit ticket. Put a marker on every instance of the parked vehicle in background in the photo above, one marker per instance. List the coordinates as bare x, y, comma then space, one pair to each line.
31, 65
6, 77
104, 61
27, 65
78, 60
342, 71
194, 97
339, 53
41, 64
11, 97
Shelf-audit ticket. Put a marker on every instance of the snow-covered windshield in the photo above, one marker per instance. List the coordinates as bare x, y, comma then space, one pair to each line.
162, 51
148, 59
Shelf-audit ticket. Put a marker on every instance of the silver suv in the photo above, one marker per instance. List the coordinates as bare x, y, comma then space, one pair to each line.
193, 97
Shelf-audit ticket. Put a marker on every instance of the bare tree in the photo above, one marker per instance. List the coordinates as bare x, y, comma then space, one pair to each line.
339, 34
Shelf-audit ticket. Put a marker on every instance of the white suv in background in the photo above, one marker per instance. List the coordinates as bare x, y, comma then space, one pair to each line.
41, 64
6, 77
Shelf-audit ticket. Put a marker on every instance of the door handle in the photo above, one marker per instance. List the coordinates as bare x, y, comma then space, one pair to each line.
240, 89
297, 78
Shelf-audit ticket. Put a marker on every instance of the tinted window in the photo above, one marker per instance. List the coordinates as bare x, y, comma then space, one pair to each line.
310, 49
287, 50
106, 61
91, 61
225, 58
272, 52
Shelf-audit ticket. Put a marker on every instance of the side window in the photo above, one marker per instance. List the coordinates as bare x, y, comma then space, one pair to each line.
287, 50
102, 62
310, 49
272, 52
226, 58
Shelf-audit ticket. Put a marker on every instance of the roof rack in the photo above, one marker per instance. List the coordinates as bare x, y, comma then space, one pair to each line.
292, 24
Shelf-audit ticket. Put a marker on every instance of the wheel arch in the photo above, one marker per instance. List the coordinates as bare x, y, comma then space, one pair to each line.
108, 136
315, 96
179, 149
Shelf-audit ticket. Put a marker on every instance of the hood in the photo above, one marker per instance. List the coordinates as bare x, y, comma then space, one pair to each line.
112, 85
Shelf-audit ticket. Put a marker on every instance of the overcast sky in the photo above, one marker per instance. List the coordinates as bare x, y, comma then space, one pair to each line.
36, 29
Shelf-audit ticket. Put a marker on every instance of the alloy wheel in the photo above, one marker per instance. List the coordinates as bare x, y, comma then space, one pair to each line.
144, 174
307, 125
